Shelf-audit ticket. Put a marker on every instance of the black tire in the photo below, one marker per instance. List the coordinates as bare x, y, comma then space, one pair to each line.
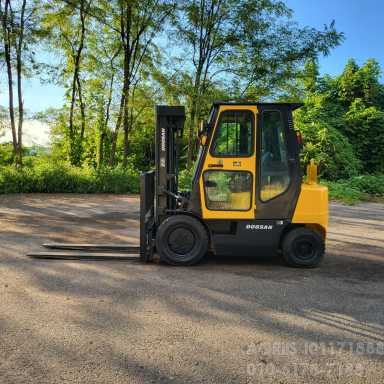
181, 240
303, 247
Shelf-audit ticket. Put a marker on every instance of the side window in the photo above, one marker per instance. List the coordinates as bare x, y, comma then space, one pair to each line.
228, 190
234, 134
274, 170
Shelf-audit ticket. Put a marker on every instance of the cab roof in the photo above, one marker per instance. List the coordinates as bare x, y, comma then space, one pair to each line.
292, 106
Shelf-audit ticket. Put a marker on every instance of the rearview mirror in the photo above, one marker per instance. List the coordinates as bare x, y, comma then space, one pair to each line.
202, 132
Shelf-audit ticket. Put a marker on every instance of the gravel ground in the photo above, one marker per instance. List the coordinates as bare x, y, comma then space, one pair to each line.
228, 320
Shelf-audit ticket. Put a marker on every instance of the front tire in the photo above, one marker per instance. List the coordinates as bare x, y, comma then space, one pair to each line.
303, 247
181, 240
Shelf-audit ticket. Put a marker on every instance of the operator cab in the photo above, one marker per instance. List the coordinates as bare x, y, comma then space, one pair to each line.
249, 166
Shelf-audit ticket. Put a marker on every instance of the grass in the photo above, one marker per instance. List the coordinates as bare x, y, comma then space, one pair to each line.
357, 189
62, 178
59, 177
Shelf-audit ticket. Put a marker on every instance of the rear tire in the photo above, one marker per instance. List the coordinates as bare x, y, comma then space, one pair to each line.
181, 240
303, 247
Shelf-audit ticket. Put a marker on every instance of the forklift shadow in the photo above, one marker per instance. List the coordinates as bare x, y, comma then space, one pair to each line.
241, 260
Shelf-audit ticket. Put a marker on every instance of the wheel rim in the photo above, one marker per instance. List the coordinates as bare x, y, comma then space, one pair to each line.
181, 241
304, 248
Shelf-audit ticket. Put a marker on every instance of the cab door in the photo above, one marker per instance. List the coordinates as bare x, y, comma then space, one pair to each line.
227, 182
278, 166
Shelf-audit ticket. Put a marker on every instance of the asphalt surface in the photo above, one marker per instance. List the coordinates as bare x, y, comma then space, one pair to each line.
228, 320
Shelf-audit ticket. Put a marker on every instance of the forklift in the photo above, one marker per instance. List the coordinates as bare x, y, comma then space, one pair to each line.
247, 195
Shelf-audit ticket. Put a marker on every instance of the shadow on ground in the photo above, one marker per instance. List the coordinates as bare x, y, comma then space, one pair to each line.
129, 322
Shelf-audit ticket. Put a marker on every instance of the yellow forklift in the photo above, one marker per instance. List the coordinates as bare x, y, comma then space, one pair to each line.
247, 195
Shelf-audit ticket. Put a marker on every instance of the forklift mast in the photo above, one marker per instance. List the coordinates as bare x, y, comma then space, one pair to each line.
169, 131
158, 189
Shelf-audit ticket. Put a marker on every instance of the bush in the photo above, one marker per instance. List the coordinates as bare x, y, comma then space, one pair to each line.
118, 180
331, 150
6, 153
365, 129
356, 188
373, 185
344, 192
43, 177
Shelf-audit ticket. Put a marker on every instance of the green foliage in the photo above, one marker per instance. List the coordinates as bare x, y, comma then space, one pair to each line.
115, 68
275, 47
371, 184
357, 188
343, 120
361, 83
250, 49
319, 122
310, 75
344, 192
6, 153
117, 180
359, 90
331, 150
46, 177
185, 180
364, 126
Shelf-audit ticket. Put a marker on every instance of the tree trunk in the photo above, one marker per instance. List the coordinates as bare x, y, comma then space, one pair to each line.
126, 127
7, 52
19, 154
74, 154
100, 150
126, 141
82, 108
127, 75
193, 122
112, 156
104, 124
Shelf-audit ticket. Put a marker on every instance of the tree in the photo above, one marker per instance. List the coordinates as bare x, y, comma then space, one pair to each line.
310, 75
140, 22
19, 26
206, 28
362, 83
109, 51
104, 76
364, 126
360, 92
252, 44
343, 120
67, 23
319, 122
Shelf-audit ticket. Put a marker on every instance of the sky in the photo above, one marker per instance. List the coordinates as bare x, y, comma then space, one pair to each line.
34, 132
362, 22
